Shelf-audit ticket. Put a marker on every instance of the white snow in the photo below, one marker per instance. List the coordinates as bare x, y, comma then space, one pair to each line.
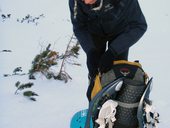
58, 101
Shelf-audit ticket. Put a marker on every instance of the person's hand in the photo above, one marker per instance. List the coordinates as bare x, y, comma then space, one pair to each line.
106, 61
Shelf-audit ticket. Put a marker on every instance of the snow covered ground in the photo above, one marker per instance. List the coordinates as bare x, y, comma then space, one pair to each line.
58, 101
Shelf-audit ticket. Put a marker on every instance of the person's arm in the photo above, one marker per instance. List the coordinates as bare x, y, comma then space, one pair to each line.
80, 28
133, 32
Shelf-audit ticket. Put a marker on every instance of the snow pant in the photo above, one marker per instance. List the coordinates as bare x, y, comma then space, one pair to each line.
93, 58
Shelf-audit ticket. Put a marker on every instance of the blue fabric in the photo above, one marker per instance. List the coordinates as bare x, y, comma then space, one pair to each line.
79, 119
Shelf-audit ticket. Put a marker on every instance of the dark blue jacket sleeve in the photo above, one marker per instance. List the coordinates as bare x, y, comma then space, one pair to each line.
134, 31
80, 29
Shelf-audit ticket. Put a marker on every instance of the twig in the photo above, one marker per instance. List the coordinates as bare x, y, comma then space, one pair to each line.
64, 57
6, 51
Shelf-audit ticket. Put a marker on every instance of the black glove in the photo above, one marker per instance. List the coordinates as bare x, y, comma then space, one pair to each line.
106, 61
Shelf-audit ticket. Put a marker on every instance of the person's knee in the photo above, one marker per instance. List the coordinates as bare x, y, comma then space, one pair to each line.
123, 56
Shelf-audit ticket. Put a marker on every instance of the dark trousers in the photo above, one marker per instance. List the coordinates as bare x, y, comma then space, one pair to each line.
93, 58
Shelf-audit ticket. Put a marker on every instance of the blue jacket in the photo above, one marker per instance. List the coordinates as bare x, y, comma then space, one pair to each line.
124, 21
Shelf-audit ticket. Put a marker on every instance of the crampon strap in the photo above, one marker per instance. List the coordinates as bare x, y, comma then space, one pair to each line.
151, 117
107, 114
